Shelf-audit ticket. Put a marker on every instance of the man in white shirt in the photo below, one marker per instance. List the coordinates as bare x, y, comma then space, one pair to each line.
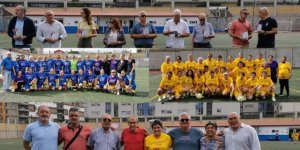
240, 136
51, 32
176, 29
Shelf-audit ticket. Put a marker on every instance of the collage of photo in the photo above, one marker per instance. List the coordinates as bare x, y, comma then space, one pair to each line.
149, 75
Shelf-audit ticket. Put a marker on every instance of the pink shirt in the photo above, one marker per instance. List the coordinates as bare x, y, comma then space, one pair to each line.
238, 28
66, 134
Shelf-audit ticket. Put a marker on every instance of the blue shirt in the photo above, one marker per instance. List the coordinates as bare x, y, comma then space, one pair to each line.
31, 64
29, 77
52, 78
7, 63
91, 77
58, 65
97, 65
22, 65
74, 78
50, 64
81, 77
185, 140
16, 67
43, 137
102, 79
63, 79
19, 31
88, 65
80, 65
104, 141
67, 66
114, 64
40, 64
140, 29
273, 67
41, 77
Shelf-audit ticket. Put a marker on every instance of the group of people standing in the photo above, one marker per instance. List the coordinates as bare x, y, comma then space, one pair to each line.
45, 134
47, 73
51, 32
243, 78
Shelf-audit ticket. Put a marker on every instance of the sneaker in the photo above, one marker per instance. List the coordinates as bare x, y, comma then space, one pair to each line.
280, 95
159, 100
273, 99
118, 93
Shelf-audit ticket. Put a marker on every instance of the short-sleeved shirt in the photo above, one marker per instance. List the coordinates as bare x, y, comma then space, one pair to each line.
141, 29
211, 145
268, 40
185, 140
273, 66
42, 136
200, 31
74, 65
181, 27
284, 70
112, 80
86, 29
67, 133
133, 140
238, 28
164, 142
7, 63
245, 138
100, 140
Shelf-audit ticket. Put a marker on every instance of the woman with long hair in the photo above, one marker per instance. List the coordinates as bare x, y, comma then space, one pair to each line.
114, 36
86, 29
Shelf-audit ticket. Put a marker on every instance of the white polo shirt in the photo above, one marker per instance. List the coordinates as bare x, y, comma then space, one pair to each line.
181, 27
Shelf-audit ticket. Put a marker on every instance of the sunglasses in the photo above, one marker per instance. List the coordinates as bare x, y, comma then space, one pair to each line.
184, 120
144, 16
106, 120
246, 14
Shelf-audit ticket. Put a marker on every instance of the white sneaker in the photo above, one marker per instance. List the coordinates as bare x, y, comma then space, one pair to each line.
118, 93
159, 100
273, 99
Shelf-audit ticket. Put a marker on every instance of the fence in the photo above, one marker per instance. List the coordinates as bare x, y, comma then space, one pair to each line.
157, 56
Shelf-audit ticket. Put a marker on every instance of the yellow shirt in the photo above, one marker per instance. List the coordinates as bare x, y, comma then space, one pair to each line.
237, 60
252, 83
284, 70
200, 66
220, 64
226, 82
199, 80
265, 82
164, 142
250, 65
210, 63
191, 65
239, 82
178, 66
189, 81
229, 66
85, 28
166, 83
263, 69
166, 67
212, 82
237, 71
179, 81
259, 63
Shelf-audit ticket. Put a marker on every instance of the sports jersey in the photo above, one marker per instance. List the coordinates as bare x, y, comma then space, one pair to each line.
102, 80
80, 65
31, 64
190, 65
112, 80
40, 64
74, 78
239, 82
189, 81
88, 65
52, 79
91, 77
81, 77
250, 65
199, 66
229, 66
178, 66
265, 82
50, 64
164, 142
126, 80
237, 71
166, 67
268, 70
284, 70
210, 63
97, 65
41, 77
28, 78
237, 60
179, 81
114, 64
220, 64
62, 79
259, 63
59, 64
251, 83
67, 67
212, 82
16, 67
167, 83
19, 79
22, 65
199, 80
226, 82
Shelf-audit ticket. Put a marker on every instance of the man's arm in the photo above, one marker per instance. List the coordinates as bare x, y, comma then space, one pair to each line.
26, 145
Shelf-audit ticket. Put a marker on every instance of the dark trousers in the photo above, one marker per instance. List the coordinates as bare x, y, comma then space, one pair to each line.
202, 45
22, 46
284, 83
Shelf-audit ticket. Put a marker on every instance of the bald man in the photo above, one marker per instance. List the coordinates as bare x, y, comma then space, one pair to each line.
203, 32
51, 32
239, 136
267, 28
7, 69
43, 133
21, 29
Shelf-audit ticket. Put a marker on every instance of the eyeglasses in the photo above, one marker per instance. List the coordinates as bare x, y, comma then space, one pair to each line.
106, 120
246, 14
232, 118
144, 16
184, 120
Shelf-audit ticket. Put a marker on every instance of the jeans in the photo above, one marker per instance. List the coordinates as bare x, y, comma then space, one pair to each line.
7, 80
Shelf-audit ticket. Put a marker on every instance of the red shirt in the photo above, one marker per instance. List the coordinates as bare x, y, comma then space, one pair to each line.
238, 27
133, 141
67, 133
